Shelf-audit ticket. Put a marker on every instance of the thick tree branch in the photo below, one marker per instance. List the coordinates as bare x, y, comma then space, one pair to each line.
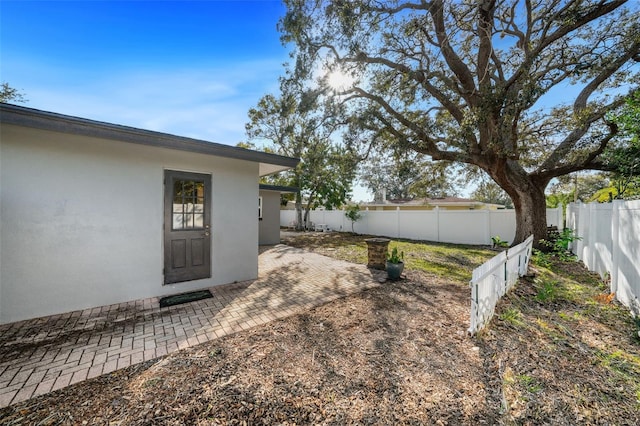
457, 66
561, 151
588, 163
613, 66
546, 39
418, 76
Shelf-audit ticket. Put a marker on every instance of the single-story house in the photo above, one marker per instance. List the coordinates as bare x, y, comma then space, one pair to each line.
269, 212
93, 213
444, 203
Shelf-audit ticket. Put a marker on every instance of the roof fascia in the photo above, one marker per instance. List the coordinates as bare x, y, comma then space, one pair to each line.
29, 117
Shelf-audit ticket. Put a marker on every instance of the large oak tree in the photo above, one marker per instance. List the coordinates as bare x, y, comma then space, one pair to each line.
520, 89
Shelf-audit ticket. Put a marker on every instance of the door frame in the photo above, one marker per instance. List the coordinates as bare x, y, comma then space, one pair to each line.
189, 273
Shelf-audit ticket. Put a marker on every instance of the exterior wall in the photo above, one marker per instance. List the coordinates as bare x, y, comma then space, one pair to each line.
269, 226
82, 221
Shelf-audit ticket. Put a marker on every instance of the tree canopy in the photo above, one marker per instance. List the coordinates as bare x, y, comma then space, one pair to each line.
521, 89
625, 155
10, 94
488, 191
296, 124
406, 175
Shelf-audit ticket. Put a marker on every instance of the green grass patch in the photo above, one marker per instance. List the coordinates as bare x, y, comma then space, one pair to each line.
547, 290
567, 282
512, 316
529, 383
452, 261
623, 363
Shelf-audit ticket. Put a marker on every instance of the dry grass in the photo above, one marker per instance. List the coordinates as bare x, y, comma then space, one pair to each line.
398, 354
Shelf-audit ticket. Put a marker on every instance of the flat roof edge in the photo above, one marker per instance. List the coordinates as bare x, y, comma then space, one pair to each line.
44, 120
278, 188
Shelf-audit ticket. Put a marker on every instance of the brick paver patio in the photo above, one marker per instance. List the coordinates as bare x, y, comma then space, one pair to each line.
45, 354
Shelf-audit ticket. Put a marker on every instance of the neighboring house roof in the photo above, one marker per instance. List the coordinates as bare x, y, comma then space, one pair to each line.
444, 201
29, 117
278, 188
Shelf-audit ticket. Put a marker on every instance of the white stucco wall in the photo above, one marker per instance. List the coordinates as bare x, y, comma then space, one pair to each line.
81, 221
269, 226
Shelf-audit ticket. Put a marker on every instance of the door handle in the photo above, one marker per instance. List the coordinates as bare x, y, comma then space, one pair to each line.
207, 233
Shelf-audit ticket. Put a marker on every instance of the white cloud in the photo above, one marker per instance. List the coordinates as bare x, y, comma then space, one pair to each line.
208, 103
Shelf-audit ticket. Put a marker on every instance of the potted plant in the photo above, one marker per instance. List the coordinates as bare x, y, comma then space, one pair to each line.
395, 264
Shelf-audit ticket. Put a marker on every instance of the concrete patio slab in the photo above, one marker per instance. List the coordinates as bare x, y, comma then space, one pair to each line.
45, 354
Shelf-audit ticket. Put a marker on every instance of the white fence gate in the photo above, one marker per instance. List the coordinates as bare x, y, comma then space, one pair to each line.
439, 225
491, 280
610, 245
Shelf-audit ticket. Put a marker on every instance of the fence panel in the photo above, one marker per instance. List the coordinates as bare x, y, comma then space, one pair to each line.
287, 217
419, 225
503, 224
600, 238
383, 223
440, 225
335, 219
626, 270
491, 280
610, 245
465, 227
554, 217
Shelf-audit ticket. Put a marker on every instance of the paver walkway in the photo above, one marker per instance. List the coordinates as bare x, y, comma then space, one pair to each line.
45, 354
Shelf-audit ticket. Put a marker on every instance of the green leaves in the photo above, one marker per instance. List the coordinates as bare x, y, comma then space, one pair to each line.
9, 94
301, 123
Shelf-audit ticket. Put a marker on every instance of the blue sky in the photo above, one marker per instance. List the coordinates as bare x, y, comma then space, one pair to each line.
191, 68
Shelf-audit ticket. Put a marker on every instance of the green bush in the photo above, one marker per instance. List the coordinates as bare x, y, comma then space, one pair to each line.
498, 242
558, 244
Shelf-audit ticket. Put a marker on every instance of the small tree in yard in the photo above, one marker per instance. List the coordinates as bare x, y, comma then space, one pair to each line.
354, 214
521, 89
297, 125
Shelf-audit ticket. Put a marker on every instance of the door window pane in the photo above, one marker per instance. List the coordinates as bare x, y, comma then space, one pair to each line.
199, 220
188, 204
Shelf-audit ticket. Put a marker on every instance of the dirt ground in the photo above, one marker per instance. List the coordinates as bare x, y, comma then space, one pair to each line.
398, 354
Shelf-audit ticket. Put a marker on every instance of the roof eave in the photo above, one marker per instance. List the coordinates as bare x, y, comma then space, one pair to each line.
29, 117
278, 188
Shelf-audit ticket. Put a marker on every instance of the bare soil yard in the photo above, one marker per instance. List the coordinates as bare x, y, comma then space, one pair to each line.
557, 352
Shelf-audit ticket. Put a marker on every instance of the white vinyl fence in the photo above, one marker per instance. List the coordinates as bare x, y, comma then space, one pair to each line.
610, 245
491, 280
447, 226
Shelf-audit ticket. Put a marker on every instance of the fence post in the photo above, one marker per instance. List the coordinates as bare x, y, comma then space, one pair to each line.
366, 217
398, 222
487, 226
560, 217
592, 226
344, 221
571, 225
615, 245
582, 221
437, 209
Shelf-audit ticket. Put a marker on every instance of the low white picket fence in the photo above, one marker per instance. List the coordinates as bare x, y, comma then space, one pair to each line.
491, 280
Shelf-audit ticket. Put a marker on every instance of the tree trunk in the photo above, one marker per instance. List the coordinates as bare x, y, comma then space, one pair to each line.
527, 194
531, 216
306, 218
299, 223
